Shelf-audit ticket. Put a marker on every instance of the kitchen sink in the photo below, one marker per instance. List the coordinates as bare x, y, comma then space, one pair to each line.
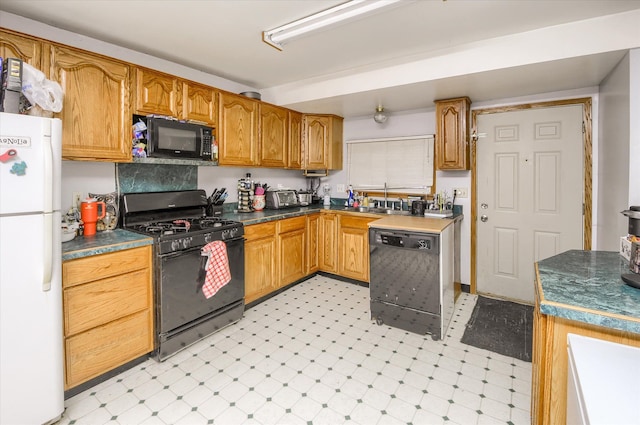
382, 211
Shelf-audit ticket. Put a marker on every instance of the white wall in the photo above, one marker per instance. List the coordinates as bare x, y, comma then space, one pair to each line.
634, 127
613, 159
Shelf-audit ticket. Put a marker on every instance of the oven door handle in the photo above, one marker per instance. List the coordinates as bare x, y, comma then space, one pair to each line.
179, 253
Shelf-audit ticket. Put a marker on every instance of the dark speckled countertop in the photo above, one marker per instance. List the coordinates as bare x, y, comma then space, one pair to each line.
585, 286
102, 242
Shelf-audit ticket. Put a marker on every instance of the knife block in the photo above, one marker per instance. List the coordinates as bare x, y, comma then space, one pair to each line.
214, 210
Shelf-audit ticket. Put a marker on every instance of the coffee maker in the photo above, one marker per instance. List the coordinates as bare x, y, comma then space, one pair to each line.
633, 278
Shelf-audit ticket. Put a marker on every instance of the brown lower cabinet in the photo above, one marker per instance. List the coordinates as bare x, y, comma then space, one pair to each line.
550, 361
108, 312
278, 253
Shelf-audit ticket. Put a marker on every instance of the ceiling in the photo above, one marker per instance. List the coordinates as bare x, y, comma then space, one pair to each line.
224, 38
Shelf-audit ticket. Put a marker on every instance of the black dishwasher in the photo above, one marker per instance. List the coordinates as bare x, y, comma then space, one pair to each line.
405, 287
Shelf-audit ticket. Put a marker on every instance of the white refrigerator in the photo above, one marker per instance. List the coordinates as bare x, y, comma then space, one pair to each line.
31, 336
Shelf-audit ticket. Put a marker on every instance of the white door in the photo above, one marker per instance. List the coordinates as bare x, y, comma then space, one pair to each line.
529, 195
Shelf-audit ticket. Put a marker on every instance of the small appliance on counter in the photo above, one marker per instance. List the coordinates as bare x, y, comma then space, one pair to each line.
305, 197
633, 278
327, 195
418, 207
282, 198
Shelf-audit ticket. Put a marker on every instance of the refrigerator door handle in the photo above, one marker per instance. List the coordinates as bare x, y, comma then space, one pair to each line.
48, 174
47, 270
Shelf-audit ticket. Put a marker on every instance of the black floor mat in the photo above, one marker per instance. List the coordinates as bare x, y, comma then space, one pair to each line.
503, 327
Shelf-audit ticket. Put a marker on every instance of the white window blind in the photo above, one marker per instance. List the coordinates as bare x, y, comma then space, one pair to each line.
405, 164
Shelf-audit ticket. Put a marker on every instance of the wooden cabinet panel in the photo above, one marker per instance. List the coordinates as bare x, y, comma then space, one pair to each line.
274, 134
108, 312
312, 243
156, 93
261, 255
96, 118
328, 236
94, 304
237, 130
322, 142
353, 247
96, 267
92, 353
292, 249
21, 47
294, 157
198, 102
452, 134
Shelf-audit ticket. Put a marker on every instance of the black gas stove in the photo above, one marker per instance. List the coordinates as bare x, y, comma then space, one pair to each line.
176, 220
180, 228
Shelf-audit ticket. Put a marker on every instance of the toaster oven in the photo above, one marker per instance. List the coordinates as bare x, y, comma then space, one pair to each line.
278, 199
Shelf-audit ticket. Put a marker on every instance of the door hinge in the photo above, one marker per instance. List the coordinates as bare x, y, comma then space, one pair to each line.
584, 128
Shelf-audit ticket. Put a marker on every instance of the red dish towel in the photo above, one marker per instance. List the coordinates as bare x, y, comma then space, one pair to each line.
217, 268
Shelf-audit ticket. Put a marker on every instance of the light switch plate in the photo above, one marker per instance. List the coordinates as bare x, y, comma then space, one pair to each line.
340, 188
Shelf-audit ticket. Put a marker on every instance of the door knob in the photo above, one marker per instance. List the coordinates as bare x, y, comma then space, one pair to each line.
484, 218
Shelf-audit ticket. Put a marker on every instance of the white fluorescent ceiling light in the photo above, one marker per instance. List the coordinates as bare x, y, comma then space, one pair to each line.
277, 37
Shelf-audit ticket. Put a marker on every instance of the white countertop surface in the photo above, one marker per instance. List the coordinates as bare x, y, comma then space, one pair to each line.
608, 377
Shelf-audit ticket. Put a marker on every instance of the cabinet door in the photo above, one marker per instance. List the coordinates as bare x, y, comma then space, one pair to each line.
353, 243
312, 243
452, 134
292, 249
156, 93
237, 130
316, 141
96, 118
328, 252
294, 159
274, 133
20, 47
260, 260
198, 102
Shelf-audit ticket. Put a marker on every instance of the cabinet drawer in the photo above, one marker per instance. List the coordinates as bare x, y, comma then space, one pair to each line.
257, 231
355, 222
99, 350
295, 223
93, 304
102, 266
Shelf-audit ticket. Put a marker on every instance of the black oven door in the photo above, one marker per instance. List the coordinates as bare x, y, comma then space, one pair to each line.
179, 290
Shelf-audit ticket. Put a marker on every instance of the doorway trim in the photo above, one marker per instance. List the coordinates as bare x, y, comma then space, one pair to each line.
588, 161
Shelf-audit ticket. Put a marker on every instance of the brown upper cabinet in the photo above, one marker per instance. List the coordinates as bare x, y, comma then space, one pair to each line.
452, 134
274, 136
294, 157
21, 47
96, 117
156, 93
237, 130
198, 103
322, 143
164, 94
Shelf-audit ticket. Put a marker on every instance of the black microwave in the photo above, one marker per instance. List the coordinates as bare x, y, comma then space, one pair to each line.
167, 138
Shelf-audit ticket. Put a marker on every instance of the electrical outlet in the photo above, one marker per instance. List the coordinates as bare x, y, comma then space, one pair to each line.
340, 188
461, 192
75, 203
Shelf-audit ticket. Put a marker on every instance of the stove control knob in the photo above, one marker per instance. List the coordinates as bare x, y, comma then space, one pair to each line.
186, 242
175, 245
208, 237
